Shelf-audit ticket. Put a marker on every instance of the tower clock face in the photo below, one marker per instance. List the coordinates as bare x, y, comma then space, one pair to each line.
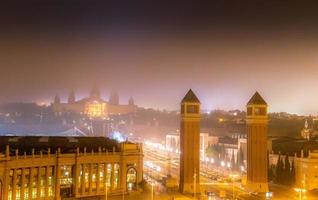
259, 111
192, 109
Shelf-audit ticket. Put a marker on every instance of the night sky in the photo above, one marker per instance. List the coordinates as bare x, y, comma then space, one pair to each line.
155, 52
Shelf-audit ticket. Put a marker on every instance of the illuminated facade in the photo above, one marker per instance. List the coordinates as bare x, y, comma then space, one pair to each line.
37, 173
256, 127
190, 144
173, 143
306, 171
94, 105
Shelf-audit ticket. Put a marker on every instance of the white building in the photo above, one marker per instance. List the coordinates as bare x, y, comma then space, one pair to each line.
173, 142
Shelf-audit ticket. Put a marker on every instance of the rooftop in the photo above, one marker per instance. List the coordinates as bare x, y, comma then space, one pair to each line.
257, 99
66, 144
190, 97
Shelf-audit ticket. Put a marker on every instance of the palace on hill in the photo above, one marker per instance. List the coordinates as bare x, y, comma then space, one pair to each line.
94, 105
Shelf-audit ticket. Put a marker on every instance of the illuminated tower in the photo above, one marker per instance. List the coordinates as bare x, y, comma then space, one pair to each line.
95, 93
256, 127
189, 144
131, 101
71, 97
114, 98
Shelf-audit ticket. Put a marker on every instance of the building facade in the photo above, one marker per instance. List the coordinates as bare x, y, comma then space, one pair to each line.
256, 127
63, 167
306, 168
190, 144
94, 105
173, 143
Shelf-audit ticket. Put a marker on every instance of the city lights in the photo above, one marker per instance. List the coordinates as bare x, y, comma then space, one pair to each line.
159, 100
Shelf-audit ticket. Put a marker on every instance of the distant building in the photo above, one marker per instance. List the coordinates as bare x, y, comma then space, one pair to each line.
173, 143
94, 105
67, 167
308, 132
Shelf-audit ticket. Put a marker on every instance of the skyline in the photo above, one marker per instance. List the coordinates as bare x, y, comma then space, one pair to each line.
156, 56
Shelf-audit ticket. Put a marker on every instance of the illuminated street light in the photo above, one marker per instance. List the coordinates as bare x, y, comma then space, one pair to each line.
300, 191
228, 165
233, 176
222, 163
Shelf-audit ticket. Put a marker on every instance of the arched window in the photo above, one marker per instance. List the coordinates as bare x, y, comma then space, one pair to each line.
131, 179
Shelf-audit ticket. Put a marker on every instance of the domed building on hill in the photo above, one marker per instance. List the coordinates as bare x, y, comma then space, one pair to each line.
94, 105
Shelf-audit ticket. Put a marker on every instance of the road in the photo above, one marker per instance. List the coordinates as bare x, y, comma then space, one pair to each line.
160, 164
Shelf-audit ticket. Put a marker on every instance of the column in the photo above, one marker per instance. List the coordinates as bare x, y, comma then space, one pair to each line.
30, 182
98, 176
105, 174
75, 178
47, 182
38, 193
112, 180
140, 171
122, 175
83, 178
57, 183
90, 177
22, 183
5, 183
14, 183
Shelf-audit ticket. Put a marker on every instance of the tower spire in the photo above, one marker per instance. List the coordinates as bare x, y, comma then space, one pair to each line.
95, 93
71, 96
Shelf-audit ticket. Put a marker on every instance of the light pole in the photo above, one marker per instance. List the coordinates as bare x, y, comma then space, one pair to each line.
152, 183
151, 190
300, 191
106, 190
233, 176
194, 184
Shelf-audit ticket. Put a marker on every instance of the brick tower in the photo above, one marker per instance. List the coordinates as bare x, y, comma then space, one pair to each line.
189, 144
256, 127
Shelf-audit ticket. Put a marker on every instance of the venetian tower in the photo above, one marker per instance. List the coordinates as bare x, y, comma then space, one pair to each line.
189, 144
256, 127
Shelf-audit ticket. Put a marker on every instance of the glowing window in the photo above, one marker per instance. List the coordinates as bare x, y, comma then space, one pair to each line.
116, 176
192, 109
131, 179
108, 175
101, 176
94, 177
66, 175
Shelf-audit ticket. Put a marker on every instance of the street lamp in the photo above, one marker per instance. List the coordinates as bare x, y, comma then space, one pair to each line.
194, 184
300, 191
233, 176
106, 190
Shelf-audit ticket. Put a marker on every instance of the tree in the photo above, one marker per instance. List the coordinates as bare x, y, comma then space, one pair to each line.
233, 160
271, 173
239, 158
279, 169
286, 179
292, 173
